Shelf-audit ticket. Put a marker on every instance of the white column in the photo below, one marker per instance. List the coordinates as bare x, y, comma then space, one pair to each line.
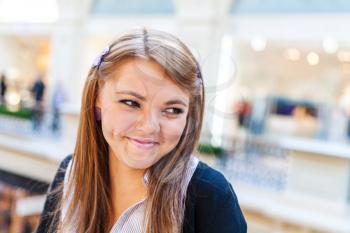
66, 58
203, 24
66, 48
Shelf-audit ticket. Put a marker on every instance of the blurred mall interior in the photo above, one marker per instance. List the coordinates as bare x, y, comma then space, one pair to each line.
277, 78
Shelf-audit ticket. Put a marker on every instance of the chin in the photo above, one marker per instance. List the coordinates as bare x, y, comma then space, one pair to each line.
140, 163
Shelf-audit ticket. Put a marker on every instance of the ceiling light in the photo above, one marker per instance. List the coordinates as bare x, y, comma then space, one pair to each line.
330, 45
258, 44
313, 58
292, 54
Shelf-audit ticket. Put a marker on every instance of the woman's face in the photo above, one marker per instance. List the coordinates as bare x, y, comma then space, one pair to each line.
143, 113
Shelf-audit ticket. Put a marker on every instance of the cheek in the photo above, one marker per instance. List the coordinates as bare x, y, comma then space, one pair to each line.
116, 122
172, 131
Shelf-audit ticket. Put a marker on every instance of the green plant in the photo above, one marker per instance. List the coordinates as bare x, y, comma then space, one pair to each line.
207, 148
22, 113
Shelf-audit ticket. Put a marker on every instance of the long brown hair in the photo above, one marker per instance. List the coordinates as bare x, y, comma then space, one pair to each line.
88, 190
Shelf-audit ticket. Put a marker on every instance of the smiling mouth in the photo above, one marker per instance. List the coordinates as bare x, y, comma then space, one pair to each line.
144, 144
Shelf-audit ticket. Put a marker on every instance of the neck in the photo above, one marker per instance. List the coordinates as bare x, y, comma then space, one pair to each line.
124, 178
127, 186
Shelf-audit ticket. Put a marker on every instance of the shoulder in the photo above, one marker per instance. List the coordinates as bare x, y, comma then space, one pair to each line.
207, 181
212, 203
61, 171
64, 163
49, 217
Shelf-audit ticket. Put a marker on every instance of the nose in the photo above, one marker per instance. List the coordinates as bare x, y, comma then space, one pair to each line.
148, 122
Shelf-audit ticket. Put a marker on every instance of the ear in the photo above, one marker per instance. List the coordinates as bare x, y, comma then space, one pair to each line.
98, 114
98, 103
98, 109
98, 96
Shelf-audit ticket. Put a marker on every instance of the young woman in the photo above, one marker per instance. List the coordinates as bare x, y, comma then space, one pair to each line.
132, 169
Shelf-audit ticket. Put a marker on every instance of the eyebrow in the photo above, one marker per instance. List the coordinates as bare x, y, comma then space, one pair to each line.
170, 102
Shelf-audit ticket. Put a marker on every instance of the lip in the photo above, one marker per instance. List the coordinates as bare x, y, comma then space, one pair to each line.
143, 142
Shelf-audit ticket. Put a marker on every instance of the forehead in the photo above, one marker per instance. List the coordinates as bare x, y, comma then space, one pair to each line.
146, 77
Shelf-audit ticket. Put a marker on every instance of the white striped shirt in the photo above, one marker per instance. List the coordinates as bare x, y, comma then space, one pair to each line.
131, 220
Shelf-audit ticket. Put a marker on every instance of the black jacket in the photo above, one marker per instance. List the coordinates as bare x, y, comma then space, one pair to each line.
211, 204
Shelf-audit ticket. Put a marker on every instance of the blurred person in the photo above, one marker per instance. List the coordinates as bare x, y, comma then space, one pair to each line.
30, 223
305, 121
3, 88
38, 90
6, 203
343, 112
243, 108
58, 98
132, 169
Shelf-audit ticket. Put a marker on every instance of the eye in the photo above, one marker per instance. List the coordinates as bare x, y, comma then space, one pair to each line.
130, 103
174, 111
